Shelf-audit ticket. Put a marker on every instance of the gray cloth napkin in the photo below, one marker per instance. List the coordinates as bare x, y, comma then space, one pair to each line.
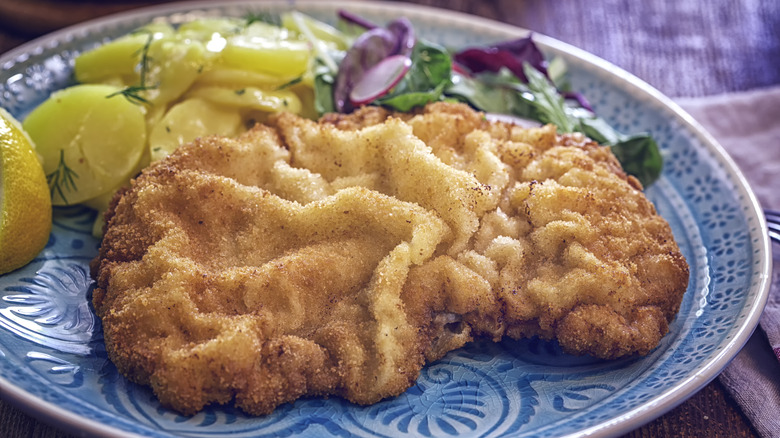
747, 125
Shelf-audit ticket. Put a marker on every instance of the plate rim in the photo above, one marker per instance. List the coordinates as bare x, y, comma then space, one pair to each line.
631, 419
687, 388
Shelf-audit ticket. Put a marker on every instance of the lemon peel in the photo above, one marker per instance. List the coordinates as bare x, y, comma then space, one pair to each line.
25, 202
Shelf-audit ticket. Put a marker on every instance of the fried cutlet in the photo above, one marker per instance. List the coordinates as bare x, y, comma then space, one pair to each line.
337, 257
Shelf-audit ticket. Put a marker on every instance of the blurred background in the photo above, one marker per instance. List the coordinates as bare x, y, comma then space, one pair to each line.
686, 48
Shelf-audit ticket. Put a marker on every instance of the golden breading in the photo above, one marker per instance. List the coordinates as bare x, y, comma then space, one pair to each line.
336, 258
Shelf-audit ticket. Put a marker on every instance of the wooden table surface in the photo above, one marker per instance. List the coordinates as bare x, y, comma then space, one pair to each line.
684, 48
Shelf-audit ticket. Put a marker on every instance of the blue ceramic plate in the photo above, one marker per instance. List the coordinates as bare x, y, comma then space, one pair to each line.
53, 362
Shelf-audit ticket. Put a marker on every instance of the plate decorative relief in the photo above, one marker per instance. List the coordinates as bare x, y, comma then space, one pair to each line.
52, 358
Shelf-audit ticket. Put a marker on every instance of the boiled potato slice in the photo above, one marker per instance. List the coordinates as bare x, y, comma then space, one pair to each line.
251, 98
188, 120
90, 142
237, 79
176, 64
287, 58
119, 58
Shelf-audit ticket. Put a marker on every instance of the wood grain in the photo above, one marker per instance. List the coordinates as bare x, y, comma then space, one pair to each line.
683, 48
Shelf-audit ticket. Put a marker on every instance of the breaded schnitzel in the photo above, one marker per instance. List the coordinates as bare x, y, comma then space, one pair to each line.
337, 258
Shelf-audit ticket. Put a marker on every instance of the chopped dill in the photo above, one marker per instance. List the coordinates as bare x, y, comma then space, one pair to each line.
289, 83
62, 177
240, 92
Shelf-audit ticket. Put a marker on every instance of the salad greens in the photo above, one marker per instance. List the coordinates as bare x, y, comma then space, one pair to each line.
512, 55
511, 77
424, 82
638, 154
368, 50
324, 83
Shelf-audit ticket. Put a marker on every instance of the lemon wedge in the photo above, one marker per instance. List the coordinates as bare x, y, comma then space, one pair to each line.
25, 202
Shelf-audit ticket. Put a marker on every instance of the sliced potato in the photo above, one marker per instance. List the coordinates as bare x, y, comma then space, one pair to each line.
251, 98
189, 120
92, 141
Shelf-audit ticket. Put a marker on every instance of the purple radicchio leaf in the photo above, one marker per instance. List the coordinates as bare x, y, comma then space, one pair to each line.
368, 50
510, 54
579, 98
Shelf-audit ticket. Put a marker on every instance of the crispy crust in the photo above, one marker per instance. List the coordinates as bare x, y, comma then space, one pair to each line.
337, 258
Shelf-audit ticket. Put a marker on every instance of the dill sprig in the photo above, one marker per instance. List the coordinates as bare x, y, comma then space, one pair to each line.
145, 58
290, 83
133, 92
62, 177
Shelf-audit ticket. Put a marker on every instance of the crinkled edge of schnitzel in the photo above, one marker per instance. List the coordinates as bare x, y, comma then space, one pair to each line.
338, 257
